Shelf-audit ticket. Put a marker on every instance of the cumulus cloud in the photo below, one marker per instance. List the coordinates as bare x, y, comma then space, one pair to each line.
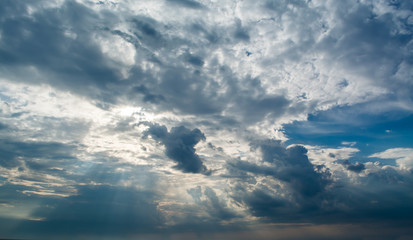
323, 193
292, 165
293, 176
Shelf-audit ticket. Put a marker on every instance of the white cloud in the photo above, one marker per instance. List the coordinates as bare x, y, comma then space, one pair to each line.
351, 144
320, 155
403, 156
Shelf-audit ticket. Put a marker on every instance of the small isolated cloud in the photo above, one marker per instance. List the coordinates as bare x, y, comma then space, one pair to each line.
351, 144
179, 143
357, 167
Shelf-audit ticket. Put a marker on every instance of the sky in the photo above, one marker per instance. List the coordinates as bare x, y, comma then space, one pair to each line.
207, 119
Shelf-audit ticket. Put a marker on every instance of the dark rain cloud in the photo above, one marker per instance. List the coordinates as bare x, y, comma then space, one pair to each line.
96, 211
312, 193
357, 167
39, 40
179, 143
306, 184
35, 155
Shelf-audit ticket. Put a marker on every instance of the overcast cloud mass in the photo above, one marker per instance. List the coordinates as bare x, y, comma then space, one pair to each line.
193, 119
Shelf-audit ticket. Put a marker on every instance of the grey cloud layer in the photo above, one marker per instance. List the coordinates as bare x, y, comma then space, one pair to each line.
223, 71
60, 43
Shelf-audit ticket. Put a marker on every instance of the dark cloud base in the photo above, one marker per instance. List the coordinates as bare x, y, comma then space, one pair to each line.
179, 144
313, 196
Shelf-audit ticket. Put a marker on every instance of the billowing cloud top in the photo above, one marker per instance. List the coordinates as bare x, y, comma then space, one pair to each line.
171, 119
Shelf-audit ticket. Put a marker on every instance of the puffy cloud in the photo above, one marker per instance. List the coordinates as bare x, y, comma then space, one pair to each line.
296, 182
292, 165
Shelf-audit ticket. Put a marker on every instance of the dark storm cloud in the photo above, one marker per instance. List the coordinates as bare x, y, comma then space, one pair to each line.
39, 40
380, 197
292, 165
179, 144
339, 204
358, 167
263, 204
36, 155
96, 210
313, 195
306, 183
